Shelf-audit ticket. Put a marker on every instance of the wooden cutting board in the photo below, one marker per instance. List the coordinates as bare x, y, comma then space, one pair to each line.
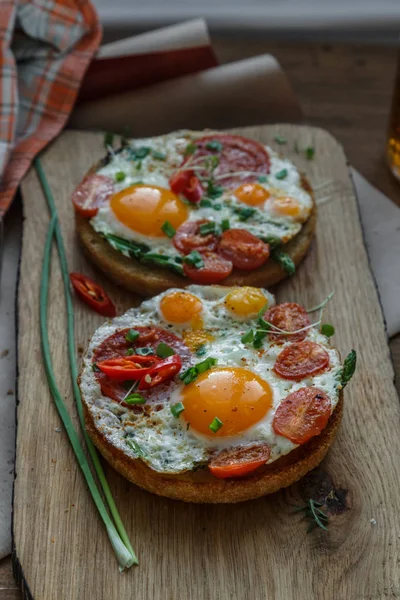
255, 550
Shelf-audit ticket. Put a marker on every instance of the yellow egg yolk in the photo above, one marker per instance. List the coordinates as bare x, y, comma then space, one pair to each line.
287, 206
145, 209
245, 302
252, 194
196, 338
182, 307
237, 396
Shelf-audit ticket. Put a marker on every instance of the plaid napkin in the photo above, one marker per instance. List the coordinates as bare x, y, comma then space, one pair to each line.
45, 49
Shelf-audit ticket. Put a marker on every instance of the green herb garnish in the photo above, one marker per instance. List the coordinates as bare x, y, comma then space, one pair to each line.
177, 409
135, 398
145, 351
310, 152
130, 352
280, 139
201, 350
214, 145
158, 155
163, 261
327, 329
132, 335
248, 336
214, 191
108, 139
206, 364
263, 179
141, 152
190, 149
284, 260
192, 372
135, 447
245, 212
313, 512
163, 350
205, 203
134, 249
271, 240
281, 174
217, 206
120, 176
168, 229
215, 424
349, 366
95, 368
206, 228
225, 225
194, 259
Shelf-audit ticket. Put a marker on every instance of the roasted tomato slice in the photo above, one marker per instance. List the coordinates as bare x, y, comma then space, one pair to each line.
188, 238
288, 316
301, 359
125, 368
93, 294
161, 372
302, 415
91, 193
237, 462
187, 184
216, 268
243, 249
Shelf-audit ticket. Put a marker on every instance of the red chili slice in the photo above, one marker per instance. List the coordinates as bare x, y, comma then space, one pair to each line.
91, 193
188, 238
237, 462
237, 154
187, 184
125, 368
302, 415
243, 249
301, 359
93, 294
161, 372
216, 268
288, 316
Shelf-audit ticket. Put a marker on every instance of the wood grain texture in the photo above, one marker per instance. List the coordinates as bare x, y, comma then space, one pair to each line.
251, 551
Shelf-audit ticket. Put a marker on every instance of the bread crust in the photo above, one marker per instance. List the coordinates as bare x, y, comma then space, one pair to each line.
202, 487
148, 280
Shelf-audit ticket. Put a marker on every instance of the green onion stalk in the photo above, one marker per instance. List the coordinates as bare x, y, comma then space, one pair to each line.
117, 534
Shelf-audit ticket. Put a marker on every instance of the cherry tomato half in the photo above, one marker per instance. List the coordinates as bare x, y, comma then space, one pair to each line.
302, 415
243, 249
124, 368
93, 294
237, 462
188, 238
187, 184
216, 268
288, 316
163, 371
300, 360
92, 193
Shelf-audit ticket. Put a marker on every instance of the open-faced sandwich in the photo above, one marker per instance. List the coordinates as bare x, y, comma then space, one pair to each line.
194, 207
213, 394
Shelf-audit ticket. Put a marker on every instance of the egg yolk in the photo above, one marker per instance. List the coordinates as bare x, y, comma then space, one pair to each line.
237, 396
285, 205
196, 338
145, 209
182, 307
252, 194
245, 301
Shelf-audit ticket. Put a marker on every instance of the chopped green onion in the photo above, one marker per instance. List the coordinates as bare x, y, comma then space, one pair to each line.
195, 259
129, 352
135, 398
225, 225
158, 155
214, 145
108, 139
248, 336
205, 203
142, 152
146, 351
263, 179
177, 409
281, 174
163, 350
206, 364
284, 260
310, 152
189, 375
245, 212
349, 366
190, 149
192, 372
120, 176
201, 350
207, 228
215, 424
271, 240
264, 325
135, 447
280, 139
214, 191
95, 368
327, 329
138, 165
134, 249
168, 229
132, 335
217, 206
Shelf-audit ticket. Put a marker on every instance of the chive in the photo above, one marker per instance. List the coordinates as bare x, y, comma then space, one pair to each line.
205, 203
217, 206
264, 325
189, 375
271, 240
349, 366
207, 228
163, 350
214, 145
225, 225
118, 537
145, 351
192, 372
120, 176
158, 155
263, 178
135, 398
190, 149
310, 152
284, 260
129, 352
280, 139
194, 259
135, 249
244, 213
206, 364
135, 447
108, 139
95, 368
163, 261
214, 191
132, 335
281, 174
141, 152
327, 329
248, 336
168, 229
215, 424
201, 350
177, 409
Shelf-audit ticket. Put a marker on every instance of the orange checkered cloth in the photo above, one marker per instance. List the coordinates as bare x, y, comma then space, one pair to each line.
45, 48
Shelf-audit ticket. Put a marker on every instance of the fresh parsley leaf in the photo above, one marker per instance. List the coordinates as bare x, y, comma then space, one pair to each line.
281, 174
158, 155
248, 336
190, 149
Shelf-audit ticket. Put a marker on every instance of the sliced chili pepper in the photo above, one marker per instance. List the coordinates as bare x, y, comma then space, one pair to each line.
161, 372
125, 368
187, 184
93, 294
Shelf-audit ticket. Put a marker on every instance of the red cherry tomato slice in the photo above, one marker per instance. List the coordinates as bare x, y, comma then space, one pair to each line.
243, 249
91, 193
216, 268
302, 415
288, 316
187, 184
237, 154
301, 359
237, 462
124, 368
188, 238
161, 372
93, 294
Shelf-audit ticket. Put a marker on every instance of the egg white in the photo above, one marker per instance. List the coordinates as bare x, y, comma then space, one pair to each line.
168, 444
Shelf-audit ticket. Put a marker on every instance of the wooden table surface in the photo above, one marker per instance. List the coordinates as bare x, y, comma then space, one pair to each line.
344, 89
